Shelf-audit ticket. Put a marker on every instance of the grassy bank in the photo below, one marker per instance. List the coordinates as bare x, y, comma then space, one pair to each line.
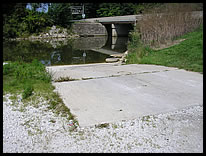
32, 82
187, 55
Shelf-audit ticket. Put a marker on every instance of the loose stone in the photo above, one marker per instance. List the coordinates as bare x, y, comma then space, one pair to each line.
111, 60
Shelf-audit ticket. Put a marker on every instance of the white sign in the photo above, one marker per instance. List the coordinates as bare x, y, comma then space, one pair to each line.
77, 9
83, 15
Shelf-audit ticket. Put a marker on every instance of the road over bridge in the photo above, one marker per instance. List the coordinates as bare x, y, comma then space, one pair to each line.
116, 25
129, 19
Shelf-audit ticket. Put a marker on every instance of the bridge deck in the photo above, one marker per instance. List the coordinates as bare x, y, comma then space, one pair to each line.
114, 19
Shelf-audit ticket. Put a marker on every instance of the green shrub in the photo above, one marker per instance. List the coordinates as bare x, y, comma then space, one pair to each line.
8, 68
28, 89
17, 74
136, 48
23, 71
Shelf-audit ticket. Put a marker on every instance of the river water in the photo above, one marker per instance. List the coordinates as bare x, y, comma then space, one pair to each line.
64, 51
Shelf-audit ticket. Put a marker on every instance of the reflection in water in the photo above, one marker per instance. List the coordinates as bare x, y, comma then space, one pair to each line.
84, 56
117, 44
55, 56
88, 43
64, 51
46, 62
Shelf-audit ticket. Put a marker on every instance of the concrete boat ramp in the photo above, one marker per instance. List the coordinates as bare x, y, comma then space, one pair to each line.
107, 92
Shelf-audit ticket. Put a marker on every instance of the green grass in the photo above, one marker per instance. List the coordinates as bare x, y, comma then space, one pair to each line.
32, 81
186, 55
20, 76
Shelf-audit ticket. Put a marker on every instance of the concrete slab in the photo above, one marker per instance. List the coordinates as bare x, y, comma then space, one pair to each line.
99, 70
135, 90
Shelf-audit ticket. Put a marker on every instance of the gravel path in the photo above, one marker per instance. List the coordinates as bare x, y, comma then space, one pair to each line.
34, 128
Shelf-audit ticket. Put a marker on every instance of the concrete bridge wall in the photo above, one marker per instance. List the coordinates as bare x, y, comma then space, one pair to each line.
89, 29
98, 29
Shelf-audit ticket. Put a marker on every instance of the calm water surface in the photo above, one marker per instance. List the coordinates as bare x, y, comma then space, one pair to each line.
64, 51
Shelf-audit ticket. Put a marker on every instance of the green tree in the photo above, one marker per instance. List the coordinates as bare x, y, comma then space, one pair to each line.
60, 14
35, 22
12, 17
115, 9
19, 21
90, 9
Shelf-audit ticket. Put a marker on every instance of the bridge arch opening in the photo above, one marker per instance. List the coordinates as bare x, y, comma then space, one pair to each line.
118, 29
109, 29
117, 36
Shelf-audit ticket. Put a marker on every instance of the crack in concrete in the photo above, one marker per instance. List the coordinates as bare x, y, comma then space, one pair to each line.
100, 77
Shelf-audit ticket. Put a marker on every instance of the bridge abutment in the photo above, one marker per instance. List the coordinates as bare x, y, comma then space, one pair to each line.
89, 29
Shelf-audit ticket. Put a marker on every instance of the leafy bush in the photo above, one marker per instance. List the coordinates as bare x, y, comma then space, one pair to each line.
35, 70
28, 89
136, 48
20, 76
25, 71
8, 68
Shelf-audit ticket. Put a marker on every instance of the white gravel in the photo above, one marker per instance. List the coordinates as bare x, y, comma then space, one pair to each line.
34, 128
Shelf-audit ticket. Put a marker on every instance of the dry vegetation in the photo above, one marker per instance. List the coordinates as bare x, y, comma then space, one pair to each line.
165, 23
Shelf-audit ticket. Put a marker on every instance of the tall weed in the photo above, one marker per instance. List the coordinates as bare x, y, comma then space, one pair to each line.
165, 24
23, 76
28, 89
136, 47
24, 71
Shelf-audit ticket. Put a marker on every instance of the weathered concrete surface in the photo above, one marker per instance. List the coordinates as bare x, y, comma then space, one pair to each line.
115, 19
108, 93
99, 70
87, 29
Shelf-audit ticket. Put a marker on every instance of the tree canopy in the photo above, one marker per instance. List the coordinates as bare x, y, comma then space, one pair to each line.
60, 13
21, 20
